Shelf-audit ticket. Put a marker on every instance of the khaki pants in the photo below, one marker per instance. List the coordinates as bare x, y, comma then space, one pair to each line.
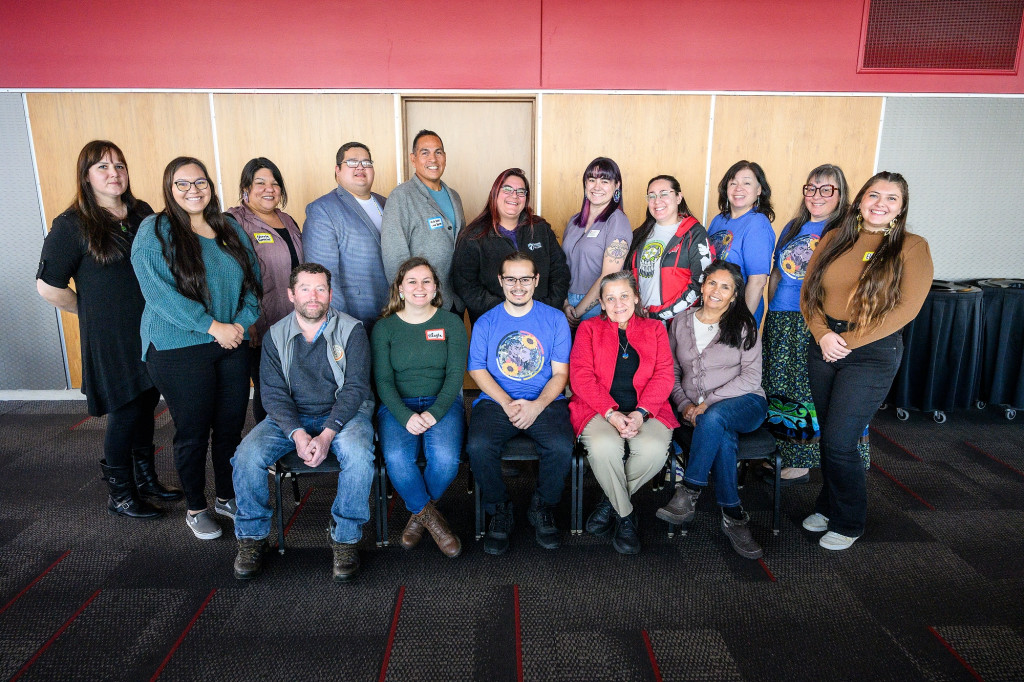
619, 479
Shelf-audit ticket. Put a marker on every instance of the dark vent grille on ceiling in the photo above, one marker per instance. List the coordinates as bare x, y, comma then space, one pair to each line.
943, 35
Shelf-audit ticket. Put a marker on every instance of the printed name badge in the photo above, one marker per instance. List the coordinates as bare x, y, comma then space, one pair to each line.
435, 223
263, 237
593, 233
435, 335
867, 256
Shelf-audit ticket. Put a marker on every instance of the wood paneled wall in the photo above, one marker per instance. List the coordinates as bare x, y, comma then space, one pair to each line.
645, 134
301, 133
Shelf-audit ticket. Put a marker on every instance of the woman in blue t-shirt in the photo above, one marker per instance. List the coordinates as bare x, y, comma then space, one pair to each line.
791, 414
742, 232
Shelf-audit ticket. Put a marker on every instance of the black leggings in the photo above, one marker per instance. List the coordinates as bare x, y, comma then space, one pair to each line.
207, 391
130, 427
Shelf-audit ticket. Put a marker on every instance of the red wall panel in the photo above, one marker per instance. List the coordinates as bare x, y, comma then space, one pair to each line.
794, 45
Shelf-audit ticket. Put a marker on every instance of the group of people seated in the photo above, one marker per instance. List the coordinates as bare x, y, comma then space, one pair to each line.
354, 325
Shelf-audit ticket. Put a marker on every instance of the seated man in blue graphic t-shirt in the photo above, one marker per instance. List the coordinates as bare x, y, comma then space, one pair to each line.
519, 357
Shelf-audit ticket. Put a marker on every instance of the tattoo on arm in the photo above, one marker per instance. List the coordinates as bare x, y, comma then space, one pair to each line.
617, 250
591, 306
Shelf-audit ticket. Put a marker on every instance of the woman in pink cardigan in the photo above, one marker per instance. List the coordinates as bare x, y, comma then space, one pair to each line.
621, 376
718, 392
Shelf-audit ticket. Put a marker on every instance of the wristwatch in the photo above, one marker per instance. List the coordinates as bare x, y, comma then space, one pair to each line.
644, 413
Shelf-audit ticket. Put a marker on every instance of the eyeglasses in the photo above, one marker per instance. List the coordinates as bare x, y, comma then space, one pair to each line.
824, 190
356, 163
663, 194
184, 185
521, 281
518, 191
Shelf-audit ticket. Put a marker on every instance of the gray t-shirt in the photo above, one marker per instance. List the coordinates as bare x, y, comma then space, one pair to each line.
649, 263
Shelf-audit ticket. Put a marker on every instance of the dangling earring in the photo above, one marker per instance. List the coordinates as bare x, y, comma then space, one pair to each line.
892, 224
860, 221
757, 203
617, 196
401, 296
245, 196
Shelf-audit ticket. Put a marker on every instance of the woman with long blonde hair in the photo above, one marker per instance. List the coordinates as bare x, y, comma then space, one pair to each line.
867, 279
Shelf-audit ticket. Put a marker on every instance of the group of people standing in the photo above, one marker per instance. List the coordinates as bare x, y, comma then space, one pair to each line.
357, 319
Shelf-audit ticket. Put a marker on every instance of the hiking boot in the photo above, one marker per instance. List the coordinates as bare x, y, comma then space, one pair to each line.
437, 526
496, 540
413, 531
738, 532
602, 520
346, 560
542, 518
122, 498
146, 481
681, 507
249, 560
626, 540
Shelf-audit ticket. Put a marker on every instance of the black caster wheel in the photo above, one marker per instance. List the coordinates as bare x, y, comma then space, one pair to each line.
939, 416
902, 414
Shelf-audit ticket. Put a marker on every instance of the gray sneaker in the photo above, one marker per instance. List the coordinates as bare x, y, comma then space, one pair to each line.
203, 525
226, 508
740, 537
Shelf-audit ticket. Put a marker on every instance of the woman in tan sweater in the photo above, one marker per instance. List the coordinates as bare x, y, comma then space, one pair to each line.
867, 279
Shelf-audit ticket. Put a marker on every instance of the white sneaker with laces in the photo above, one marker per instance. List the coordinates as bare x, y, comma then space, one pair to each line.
816, 523
835, 541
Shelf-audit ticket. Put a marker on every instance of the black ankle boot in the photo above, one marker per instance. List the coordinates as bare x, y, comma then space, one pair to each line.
146, 481
626, 540
122, 500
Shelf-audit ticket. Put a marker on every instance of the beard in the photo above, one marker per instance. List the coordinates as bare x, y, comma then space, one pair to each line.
312, 311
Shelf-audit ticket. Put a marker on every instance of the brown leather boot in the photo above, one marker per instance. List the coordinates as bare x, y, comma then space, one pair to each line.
413, 531
681, 507
435, 523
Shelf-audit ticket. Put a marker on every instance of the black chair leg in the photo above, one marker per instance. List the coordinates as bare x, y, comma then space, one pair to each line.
777, 501
295, 489
280, 512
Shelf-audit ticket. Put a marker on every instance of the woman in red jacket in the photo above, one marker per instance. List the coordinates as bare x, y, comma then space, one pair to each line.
621, 376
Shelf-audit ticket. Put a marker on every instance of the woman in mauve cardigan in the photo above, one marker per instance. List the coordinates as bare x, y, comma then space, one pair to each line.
718, 392
621, 376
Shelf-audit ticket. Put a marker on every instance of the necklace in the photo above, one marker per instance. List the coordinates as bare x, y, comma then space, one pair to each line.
712, 326
625, 350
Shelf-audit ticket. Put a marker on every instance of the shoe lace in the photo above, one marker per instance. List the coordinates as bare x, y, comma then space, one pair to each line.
250, 551
545, 517
501, 522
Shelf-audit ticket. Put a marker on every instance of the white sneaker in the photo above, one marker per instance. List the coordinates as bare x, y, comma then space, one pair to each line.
816, 523
833, 540
203, 525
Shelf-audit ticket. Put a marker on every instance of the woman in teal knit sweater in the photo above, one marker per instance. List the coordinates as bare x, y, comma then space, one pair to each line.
201, 282
419, 359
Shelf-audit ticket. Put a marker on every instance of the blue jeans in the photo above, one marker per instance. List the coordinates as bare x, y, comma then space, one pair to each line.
441, 445
716, 440
847, 394
266, 443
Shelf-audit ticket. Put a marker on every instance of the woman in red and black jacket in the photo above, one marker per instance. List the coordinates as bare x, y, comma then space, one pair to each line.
669, 251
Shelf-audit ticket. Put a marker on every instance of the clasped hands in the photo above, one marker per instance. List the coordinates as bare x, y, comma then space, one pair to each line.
628, 425
419, 423
229, 336
522, 413
690, 412
313, 449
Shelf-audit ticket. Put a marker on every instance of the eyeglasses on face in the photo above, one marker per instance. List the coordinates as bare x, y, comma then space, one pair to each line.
356, 163
184, 185
824, 190
521, 281
518, 191
663, 194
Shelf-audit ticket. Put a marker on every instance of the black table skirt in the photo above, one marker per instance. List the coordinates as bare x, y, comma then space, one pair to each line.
941, 352
1001, 381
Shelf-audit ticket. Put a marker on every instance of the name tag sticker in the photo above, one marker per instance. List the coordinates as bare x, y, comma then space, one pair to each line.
867, 256
263, 237
435, 335
593, 233
435, 223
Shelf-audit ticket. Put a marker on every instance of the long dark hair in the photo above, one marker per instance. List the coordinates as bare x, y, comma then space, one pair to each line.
249, 176
183, 251
488, 220
601, 168
641, 233
763, 203
878, 289
102, 231
737, 325
826, 171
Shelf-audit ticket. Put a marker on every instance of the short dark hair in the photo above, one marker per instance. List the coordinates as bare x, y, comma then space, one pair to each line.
249, 174
311, 268
424, 133
340, 156
517, 257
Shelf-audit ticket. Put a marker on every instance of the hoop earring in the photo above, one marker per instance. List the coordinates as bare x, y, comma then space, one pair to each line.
617, 196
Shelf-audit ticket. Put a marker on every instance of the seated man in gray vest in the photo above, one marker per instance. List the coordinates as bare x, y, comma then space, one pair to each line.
315, 375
